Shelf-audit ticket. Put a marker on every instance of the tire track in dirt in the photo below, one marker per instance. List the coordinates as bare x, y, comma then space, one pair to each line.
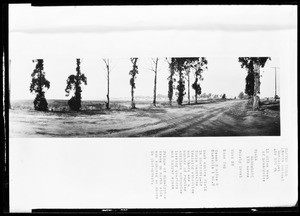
177, 121
177, 125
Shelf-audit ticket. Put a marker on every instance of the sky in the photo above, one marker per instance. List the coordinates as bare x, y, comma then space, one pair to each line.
59, 35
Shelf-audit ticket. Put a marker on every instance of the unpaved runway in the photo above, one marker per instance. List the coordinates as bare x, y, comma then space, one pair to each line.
224, 118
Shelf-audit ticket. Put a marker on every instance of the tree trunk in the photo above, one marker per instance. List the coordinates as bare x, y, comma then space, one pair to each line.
132, 98
107, 105
170, 93
171, 88
189, 97
155, 80
180, 88
195, 83
40, 85
256, 94
154, 96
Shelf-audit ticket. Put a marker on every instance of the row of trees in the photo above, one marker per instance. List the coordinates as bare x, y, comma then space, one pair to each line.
182, 67
212, 96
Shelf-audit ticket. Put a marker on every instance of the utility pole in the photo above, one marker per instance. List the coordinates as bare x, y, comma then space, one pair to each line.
275, 82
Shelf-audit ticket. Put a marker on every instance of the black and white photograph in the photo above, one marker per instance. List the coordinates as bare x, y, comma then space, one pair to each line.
55, 94
146, 97
151, 107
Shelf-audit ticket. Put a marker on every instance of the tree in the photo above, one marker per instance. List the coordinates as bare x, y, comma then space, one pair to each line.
199, 67
241, 95
133, 74
107, 64
179, 67
204, 95
74, 83
38, 85
171, 79
253, 65
154, 69
224, 97
193, 63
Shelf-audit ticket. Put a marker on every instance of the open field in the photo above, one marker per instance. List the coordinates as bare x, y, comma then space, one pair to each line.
208, 118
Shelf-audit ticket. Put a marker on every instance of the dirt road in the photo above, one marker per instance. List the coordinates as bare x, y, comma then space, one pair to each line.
223, 118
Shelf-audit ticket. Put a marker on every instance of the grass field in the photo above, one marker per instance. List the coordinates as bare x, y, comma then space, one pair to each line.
207, 118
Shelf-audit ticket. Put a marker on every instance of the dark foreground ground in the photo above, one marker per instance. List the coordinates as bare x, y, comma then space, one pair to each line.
209, 118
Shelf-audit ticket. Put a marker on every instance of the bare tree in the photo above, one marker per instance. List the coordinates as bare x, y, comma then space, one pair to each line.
154, 69
107, 64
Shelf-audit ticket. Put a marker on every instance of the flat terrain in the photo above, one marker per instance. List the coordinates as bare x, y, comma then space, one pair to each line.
211, 118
